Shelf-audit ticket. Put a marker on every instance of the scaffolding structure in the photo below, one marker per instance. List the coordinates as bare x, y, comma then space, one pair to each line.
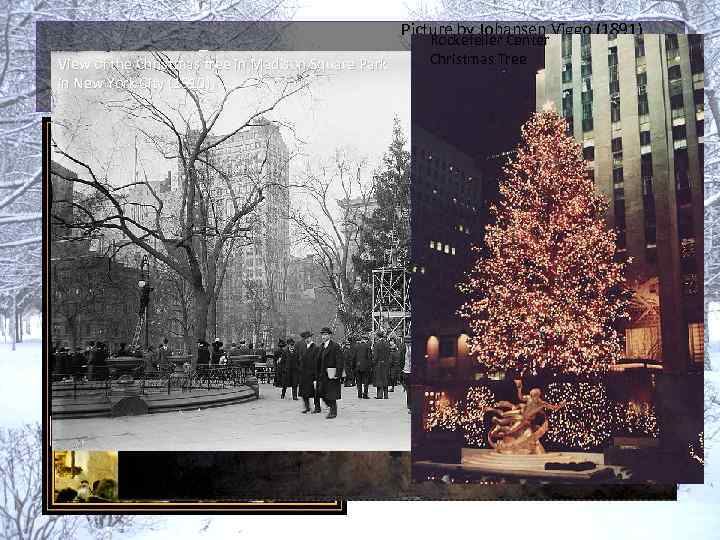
391, 301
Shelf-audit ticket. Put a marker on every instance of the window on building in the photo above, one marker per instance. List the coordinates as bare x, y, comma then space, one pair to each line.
587, 117
696, 341
618, 177
615, 110
643, 107
613, 73
676, 101
614, 88
639, 46
647, 184
589, 153
644, 138
671, 42
643, 342
620, 234
697, 62
700, 128
620, 214
567, 73
567, 103
585, 70
679, 132
566, 45
699, 96
612, 56
682, 168
674, 73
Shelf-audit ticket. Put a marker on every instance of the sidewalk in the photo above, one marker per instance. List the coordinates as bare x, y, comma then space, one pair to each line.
268, 424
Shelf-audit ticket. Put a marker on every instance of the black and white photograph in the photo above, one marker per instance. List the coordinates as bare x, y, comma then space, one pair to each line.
229, 251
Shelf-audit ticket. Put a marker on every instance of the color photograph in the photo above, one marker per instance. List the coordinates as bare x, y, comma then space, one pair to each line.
557, 210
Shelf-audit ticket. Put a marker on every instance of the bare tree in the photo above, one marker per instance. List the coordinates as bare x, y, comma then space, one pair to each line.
21, 516
20, 141
214, 204
330, 221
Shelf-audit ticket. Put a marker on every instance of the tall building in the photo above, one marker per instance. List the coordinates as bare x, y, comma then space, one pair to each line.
447, 216
92, 295
635, 104
251, 302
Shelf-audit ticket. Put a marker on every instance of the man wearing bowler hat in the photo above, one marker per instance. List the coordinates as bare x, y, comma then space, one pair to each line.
331, 366
308, 355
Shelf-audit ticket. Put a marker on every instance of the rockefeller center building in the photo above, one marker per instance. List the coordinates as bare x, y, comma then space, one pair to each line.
448, 216
635, 104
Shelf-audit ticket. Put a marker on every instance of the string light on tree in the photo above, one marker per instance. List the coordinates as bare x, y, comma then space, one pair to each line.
477, 400
585, 422
545, 291
632, 418
442, 414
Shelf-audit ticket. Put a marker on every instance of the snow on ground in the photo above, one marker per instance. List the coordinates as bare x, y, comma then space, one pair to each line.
21, 383
268, 424
597, 520
710, 490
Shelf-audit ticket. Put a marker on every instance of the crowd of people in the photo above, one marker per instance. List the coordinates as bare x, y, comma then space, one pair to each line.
317, 372
302, 366
91, 363
313, 372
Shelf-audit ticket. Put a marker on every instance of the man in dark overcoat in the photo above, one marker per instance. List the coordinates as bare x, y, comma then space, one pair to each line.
349, 362
203, 354
290, 368
363, 365
331, 366
381, 365
308, 354
396, 365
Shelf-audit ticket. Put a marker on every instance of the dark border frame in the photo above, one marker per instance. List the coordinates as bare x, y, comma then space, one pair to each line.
49, 506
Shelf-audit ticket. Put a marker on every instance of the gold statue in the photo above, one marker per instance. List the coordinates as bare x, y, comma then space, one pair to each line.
517, 428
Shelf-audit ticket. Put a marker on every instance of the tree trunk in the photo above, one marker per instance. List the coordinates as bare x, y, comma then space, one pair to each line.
212, 317
14, 322
201, 302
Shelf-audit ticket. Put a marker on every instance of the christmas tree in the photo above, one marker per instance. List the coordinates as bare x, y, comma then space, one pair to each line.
546, 289
385, 240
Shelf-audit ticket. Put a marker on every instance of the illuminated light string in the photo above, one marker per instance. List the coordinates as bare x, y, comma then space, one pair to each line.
697, 451
466, 415
545, 291
588, 420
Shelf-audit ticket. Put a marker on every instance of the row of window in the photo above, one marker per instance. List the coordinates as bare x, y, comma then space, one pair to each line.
442, 248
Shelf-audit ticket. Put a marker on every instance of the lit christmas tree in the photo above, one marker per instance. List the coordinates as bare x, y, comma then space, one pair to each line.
547, 290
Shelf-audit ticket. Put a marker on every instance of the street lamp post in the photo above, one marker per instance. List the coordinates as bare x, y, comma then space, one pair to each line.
145, 288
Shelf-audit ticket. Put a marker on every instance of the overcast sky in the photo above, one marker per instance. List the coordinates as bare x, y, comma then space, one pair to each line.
350, 103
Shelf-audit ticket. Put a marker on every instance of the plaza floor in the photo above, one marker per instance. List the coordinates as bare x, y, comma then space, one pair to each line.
268, 424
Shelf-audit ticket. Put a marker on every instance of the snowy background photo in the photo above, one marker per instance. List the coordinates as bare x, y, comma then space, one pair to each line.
694, 515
